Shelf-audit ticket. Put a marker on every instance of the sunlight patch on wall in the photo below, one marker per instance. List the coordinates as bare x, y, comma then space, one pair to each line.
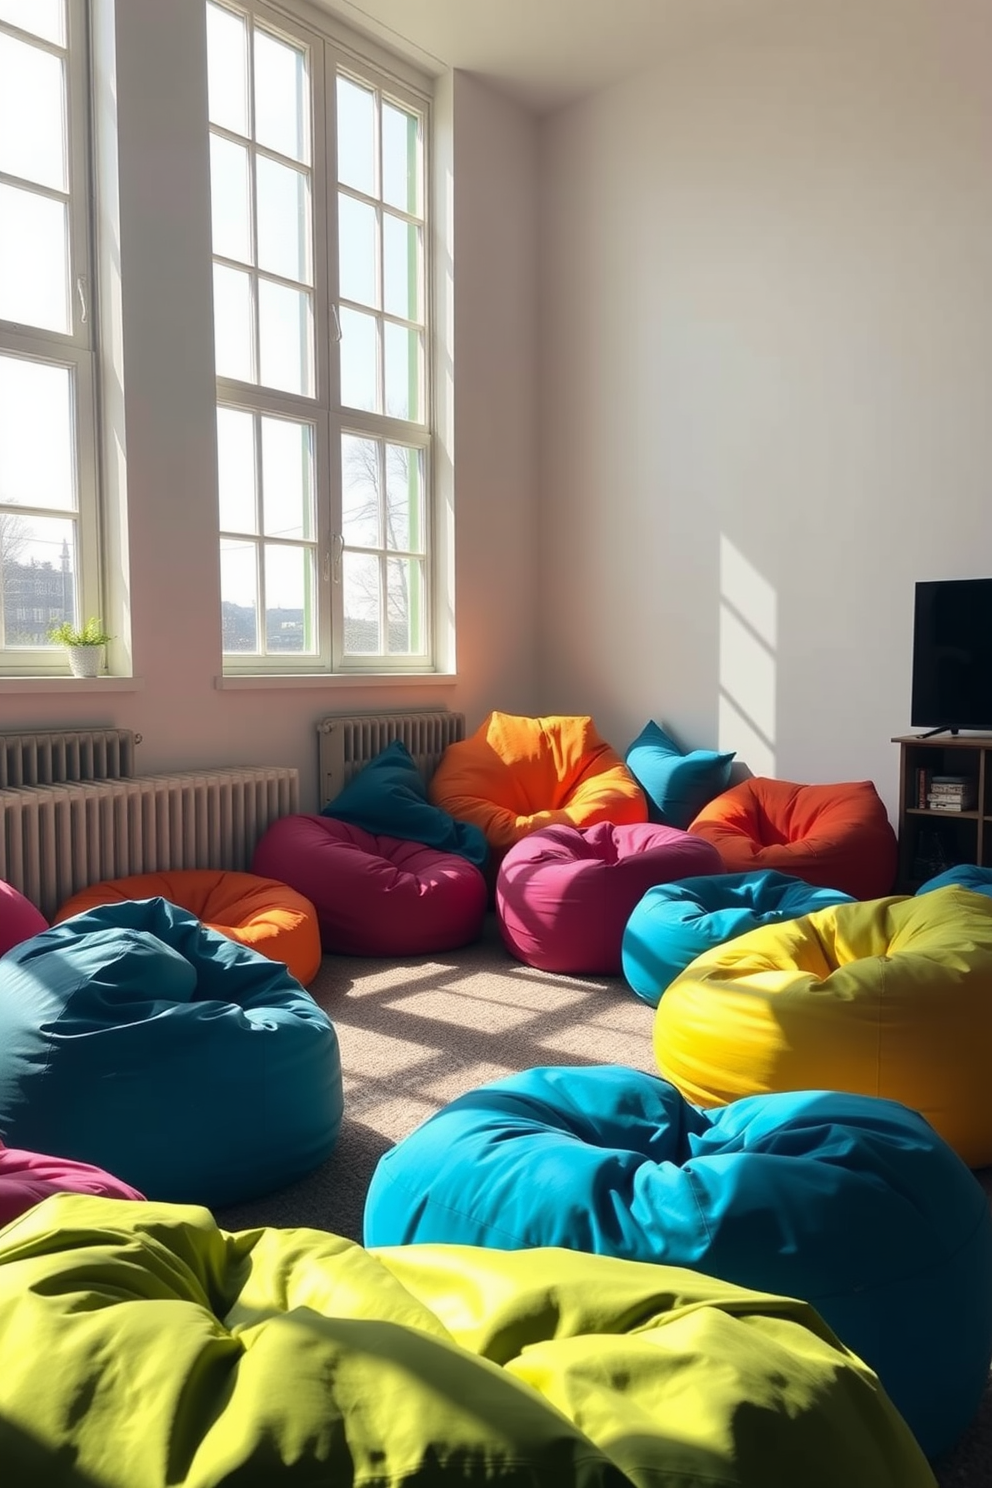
748, 641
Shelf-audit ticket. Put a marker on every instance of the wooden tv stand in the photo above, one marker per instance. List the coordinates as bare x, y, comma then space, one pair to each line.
931, 840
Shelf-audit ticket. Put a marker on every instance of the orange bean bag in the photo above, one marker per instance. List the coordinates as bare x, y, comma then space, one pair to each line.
834, 836
516, 774
262, 913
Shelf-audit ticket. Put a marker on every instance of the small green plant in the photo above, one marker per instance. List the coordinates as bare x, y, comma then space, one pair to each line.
92, 634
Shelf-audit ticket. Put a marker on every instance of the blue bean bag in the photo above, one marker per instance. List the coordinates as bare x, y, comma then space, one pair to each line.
851, 1203
676, 922
192, 1067
965, 875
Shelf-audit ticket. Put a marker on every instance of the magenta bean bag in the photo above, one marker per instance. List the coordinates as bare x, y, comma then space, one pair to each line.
375, 895
28, 1177
19, 919
564, 894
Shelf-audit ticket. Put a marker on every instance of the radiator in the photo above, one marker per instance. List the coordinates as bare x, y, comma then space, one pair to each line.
57, 839
66, 754
347, 742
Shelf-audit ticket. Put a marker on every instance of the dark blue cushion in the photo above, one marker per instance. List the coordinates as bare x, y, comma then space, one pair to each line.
849, 1202
389, 797
677, 784
676, 922
196, 1069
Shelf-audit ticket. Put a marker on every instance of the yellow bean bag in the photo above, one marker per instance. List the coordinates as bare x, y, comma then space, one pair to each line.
516, 774
143, 1347
262, 913
892, 997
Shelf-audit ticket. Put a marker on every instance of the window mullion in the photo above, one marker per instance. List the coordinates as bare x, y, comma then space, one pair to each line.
81, 194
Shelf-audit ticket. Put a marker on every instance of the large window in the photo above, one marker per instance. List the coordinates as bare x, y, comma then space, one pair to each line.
48, 493
321, 327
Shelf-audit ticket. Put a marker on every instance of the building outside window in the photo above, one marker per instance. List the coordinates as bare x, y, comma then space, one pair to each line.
49, 519
321, 321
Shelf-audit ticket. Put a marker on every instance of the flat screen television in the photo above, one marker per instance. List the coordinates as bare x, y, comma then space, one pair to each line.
952, 655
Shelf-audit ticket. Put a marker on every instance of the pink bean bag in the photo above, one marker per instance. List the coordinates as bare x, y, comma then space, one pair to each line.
564, 894
19, 919
375, 895
28, 1177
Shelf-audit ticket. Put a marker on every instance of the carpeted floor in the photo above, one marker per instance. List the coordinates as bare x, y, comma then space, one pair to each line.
414, 1034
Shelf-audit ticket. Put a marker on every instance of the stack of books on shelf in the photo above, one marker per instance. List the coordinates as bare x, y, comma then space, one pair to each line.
946, 792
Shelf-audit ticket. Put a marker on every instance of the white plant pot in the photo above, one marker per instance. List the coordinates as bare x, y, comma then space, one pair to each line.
85, 661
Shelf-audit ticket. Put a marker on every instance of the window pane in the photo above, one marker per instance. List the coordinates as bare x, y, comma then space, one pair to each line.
401, 267
34, 260
229, 199
360, 574
405, 606
356, 136
232, 324
283, 220
359, 361
402, 349
239, 596
236, 470
32, 114
36, 435
45, 18
404, 484
357, 250
400, 159
287, 478
227, 70
39, 577
360, 482
282, 97
285, 332
289, 599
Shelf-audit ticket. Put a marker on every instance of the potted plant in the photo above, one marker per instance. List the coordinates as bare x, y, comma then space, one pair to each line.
85, 646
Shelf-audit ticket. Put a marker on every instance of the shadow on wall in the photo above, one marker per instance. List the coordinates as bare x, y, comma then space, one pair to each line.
748, 664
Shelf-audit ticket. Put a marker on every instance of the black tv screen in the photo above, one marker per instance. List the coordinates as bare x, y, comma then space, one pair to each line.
952, 655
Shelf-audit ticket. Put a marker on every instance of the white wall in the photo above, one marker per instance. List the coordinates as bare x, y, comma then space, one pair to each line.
496, 396
163, 442
766, 375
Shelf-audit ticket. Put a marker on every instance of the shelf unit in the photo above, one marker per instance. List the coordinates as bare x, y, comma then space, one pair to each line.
929, 840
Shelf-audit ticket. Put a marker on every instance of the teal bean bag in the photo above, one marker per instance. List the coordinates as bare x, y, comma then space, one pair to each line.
965, 875
850, 1202
192, 1067
676, 922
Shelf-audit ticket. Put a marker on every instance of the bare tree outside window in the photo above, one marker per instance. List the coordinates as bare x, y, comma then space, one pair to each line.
35, 594
382, 516
14, 537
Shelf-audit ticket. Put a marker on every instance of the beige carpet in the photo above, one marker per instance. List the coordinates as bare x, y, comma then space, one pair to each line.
414, 1034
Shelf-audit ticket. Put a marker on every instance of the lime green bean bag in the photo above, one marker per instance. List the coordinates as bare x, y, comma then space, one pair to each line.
143, 1347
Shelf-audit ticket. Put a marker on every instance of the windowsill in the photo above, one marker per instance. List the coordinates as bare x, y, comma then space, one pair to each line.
71, 684
334, 681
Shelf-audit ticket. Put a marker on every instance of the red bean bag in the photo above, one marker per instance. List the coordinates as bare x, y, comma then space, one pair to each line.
19, 918
264, 914
28, 1177
834, 836
375, 895
564, 894
518, 774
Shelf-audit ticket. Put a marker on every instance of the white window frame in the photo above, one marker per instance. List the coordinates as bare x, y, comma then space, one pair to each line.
76, 349
331, 48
